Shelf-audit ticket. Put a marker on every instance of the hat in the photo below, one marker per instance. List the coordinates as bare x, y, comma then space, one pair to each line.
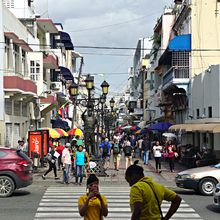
92, 178
20, 140
68, 145
106, 139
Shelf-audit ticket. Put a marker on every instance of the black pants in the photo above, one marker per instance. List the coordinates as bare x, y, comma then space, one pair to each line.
158, 162
171, 163
52, 166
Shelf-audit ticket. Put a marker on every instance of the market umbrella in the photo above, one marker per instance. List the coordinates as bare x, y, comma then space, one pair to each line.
52, 133
169, 135
61, 132
126, 127
76, 132
161, 126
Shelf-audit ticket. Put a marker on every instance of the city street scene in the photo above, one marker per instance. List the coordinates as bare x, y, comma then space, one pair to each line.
109, 110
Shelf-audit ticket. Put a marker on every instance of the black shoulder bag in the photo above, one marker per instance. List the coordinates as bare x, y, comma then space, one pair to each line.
161, 214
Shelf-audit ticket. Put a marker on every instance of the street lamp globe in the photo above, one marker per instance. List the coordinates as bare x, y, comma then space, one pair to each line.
105, 86
112, 103
89, 82
73, 89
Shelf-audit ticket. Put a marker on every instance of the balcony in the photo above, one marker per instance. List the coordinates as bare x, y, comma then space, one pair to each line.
19, 87
175, 76
50, 60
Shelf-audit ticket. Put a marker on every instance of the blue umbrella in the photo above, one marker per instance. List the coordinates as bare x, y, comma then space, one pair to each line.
161, 126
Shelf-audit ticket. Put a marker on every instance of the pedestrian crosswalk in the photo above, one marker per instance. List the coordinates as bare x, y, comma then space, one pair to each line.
62, 203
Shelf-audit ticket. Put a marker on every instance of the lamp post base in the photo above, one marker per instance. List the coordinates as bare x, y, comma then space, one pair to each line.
99, 169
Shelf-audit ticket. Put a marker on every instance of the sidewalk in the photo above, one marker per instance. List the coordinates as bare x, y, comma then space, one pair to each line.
117, 177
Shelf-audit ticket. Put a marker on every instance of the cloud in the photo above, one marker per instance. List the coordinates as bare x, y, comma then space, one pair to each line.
115, 23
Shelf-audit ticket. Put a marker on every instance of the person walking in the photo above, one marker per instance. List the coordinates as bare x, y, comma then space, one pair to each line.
127, 151
146, 196
146, 149
93, 205
66, 160
139, 146
171, 155
79, 164
59, 149
157, 151
105, 151
116, 154
52, 163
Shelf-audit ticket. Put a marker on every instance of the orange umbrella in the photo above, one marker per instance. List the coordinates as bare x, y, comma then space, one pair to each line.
76, 132
61, 132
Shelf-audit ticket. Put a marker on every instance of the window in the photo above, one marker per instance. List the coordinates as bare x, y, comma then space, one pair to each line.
8, 106
24, 109
197, 113
2, 154
8, 134
210, 112
23, 67
17, 58
35, 70
17, 108
7, 53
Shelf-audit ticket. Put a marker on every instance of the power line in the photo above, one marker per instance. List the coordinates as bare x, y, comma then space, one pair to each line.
109, 54
111, 25
121, 48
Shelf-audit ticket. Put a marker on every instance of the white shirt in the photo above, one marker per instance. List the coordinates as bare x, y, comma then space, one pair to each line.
157, 150
66, 156
116, 139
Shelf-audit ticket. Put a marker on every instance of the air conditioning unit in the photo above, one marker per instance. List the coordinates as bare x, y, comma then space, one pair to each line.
56, 86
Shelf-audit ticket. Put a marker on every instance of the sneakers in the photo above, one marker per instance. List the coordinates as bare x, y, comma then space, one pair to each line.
57, 178
43, 177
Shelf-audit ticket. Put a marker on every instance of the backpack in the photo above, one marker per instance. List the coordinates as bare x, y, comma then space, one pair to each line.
127, 150
48, 157
116, 148
105, 150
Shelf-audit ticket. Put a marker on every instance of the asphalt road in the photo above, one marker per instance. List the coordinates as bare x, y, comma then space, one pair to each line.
24, 203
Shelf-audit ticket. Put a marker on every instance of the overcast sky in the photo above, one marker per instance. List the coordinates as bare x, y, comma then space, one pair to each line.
111, 23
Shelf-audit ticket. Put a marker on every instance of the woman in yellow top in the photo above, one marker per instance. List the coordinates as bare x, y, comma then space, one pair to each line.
93, 205
146, 195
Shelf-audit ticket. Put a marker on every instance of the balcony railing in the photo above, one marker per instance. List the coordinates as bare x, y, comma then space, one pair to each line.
175, 73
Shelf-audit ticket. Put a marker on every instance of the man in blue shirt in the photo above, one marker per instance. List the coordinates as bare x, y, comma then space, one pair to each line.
105, 152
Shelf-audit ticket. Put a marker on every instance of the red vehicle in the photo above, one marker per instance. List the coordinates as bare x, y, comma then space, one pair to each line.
15, 171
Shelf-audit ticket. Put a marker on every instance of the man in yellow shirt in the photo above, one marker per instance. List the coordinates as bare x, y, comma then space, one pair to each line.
93, 205
146, 196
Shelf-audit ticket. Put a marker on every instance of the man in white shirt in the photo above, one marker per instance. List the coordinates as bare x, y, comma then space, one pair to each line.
66, 159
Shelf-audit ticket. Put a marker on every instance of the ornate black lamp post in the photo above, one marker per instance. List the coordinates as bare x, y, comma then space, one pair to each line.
73, 91
112, 104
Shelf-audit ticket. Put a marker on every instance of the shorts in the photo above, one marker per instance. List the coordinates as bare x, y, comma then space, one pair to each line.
116, 157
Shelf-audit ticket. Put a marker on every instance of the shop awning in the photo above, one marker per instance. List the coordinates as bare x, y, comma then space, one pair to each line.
66, 73
47, 107
180, 43
215, 128
177, 127
66, 40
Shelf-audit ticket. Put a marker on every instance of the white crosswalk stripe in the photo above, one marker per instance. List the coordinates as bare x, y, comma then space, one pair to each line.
62, 203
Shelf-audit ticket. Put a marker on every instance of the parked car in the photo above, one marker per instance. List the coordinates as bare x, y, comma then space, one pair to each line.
216, 195
15, 171
200, 179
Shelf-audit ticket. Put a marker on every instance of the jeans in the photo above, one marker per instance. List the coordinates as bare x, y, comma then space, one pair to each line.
146, 156
171, 163
66, 173
79, 172
158, 163
52, 166
59, 161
